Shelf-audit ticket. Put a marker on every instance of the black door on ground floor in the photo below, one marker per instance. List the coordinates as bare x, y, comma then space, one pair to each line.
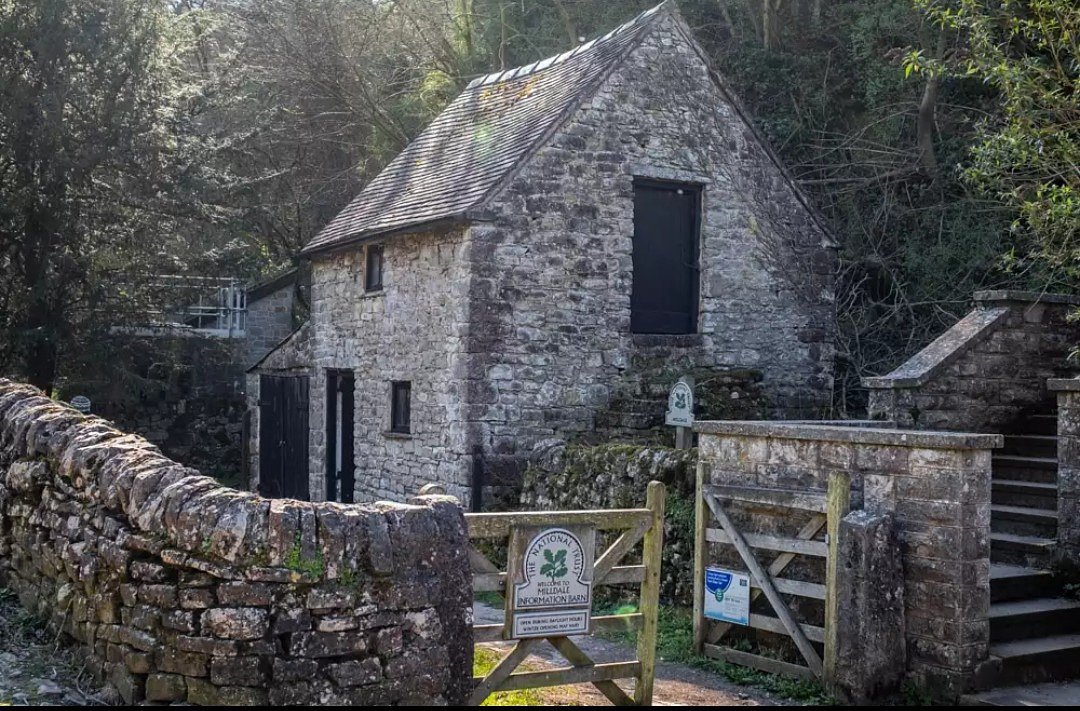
340, 415
283, 436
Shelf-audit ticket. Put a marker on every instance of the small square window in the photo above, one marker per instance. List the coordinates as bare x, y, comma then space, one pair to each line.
401, 406
373, 274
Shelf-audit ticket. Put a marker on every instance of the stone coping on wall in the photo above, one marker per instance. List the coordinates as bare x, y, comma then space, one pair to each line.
1066, 384
944, 350
1026, 297
858, 434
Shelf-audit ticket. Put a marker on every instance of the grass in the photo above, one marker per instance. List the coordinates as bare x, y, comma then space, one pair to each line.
484, 660
675, 643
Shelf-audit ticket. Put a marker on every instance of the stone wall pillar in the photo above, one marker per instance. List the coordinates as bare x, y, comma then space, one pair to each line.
872, 653
1068, 536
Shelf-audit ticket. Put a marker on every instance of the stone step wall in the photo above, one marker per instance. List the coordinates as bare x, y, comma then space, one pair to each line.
179, 589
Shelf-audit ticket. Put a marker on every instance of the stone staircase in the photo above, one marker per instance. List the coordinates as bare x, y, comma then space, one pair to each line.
1034, 630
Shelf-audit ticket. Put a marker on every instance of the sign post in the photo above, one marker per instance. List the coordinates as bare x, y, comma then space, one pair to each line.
680, 412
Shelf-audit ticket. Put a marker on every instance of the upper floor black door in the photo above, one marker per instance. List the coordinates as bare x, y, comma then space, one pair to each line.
664, 295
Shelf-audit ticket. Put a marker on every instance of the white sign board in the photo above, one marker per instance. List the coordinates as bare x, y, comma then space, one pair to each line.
552, 593
727, 596
81, 403
680, 412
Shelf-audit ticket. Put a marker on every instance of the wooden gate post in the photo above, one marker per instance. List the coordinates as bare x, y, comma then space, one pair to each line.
838, 501
651, 551
701, 522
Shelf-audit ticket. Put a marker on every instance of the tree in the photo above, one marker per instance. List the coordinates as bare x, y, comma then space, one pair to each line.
97, 172
1028, 152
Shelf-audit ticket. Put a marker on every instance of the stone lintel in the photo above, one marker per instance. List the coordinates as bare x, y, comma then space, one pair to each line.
855, 435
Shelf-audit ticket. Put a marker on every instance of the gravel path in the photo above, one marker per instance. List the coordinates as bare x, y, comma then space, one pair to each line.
676, 684
35, 668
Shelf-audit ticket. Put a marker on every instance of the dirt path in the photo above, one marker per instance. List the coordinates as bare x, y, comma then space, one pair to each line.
676, 684
35, 668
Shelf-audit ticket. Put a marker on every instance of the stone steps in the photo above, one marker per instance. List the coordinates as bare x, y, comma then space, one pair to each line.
1038, 659
1022, 619
1017, 549
1023, 521
1034, 632
1025, 468
1030, 445
1034, 494
1016, 582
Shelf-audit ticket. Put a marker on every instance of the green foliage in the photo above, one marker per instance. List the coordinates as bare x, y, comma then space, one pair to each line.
1025, 153
103, 171
675, 643
915, 694
313, 567
484, 661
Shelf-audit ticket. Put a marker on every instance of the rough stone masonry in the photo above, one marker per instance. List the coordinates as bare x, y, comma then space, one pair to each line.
180, 589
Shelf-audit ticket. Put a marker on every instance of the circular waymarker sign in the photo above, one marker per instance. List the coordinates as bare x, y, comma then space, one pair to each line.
81, 403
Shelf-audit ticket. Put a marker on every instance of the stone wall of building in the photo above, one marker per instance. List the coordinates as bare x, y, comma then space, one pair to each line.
985, 371
553, 268
179, 589
935, 486
1068, 482
270, 316
415, 330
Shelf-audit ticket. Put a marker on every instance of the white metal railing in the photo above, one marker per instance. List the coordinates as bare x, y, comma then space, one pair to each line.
211, 306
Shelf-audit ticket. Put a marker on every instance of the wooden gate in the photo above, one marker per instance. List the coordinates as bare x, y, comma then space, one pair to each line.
637, 525
715, 526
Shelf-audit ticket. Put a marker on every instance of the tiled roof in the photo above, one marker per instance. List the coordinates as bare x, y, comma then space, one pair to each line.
462, 158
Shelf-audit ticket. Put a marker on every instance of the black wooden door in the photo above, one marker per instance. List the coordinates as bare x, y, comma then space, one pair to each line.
283, 436
664, 295
340, 415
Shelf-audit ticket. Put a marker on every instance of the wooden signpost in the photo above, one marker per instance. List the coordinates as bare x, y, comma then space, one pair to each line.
548, 584
680, 412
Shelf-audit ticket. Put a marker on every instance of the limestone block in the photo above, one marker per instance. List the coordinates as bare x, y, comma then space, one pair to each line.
871, 656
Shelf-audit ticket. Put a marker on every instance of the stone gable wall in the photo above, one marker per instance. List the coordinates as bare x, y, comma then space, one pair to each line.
179, 589
988, 369
414, 330
553, 268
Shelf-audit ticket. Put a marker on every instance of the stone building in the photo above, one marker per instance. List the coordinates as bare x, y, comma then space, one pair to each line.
562, 235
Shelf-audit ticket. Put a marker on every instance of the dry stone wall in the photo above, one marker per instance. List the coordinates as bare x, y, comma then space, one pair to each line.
568, 478
179, 589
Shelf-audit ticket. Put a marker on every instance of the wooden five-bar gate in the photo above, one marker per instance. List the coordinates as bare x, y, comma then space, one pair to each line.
642, 525
714, 525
